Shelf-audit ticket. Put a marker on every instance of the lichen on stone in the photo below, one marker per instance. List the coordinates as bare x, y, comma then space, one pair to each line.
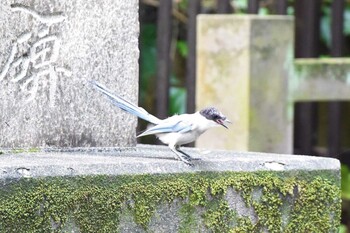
282, 202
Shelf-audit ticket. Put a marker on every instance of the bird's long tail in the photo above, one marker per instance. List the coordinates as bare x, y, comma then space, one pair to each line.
126, 105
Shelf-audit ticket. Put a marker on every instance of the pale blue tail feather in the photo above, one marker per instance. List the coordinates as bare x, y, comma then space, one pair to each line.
126, 105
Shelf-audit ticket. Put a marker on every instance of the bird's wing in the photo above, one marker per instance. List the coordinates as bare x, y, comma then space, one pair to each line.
169, 126
126, 105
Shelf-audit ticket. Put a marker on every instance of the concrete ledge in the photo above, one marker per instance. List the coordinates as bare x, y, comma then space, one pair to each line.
144, 189
146, 159
323, 79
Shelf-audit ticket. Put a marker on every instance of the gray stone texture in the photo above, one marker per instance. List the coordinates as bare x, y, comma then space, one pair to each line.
48, 52
325, 79
149, 160
155, 160
243, 68
246, 67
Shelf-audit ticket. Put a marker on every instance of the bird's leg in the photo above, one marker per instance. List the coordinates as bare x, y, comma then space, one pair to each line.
187, 155
182, 152
183, 157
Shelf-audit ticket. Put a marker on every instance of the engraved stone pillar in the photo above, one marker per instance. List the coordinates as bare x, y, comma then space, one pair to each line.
48, 52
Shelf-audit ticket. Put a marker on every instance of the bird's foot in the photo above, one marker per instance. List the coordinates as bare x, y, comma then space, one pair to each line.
186, 160
195, 159
182, 156
188, 156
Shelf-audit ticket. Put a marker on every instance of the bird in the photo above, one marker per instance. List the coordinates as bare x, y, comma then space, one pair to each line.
174, 131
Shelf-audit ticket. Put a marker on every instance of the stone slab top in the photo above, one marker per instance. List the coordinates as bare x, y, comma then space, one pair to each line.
326, 61
247, 17
146, 159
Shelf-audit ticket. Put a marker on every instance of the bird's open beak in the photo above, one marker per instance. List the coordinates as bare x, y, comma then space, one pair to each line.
222, 122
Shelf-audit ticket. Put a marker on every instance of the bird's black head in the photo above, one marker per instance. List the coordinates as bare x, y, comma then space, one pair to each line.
213, 114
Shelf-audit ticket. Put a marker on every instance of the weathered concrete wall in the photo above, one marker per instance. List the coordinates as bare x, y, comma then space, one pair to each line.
103, 190
320, 79
246, 67
48, 50
220, 72
243, 66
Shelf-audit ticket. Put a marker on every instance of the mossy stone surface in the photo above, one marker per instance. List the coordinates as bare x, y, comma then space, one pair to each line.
291, 201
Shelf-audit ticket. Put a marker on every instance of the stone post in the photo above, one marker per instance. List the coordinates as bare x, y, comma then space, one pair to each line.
48, 52
246, 67
243, 65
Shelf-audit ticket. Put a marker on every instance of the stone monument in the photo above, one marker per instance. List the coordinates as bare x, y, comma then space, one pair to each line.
48, 52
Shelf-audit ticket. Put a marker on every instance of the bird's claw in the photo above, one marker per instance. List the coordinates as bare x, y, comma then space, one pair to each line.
183, 156
195, 159
186, 160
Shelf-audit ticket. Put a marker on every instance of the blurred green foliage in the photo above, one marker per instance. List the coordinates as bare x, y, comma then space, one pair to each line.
345, 182
326, 22
345, 193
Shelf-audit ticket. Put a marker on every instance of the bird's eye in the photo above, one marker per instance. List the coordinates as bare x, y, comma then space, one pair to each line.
215, 117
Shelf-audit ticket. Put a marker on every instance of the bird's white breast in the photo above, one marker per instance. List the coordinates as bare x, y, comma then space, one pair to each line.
199, 125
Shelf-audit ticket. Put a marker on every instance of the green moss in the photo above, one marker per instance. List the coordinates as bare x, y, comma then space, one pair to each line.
96, 203
219, 217
25, 150
189, 219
